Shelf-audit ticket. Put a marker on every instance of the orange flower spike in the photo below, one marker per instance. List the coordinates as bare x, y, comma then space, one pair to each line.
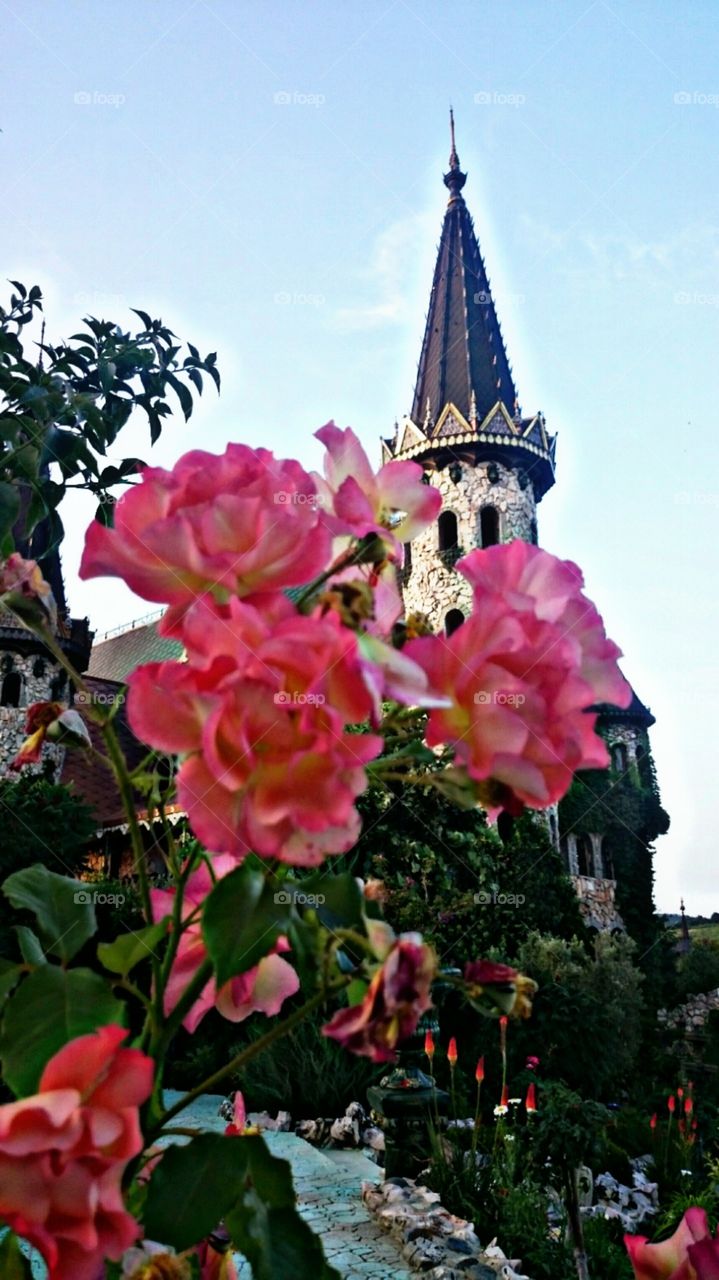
531, 1100
479, 1071
429, 1044
452, 1054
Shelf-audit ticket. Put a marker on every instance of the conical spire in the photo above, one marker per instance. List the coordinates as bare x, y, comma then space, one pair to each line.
463, 350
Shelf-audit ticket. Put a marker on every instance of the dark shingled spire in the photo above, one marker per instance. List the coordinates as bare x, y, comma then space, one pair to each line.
463, 349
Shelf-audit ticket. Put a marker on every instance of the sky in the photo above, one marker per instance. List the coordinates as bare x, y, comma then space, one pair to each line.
266, 177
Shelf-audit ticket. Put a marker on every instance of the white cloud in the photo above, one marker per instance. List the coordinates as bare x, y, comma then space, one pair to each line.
387, 285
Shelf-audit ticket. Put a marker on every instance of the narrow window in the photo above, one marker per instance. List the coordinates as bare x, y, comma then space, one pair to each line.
447, 530
607, 859
489, 526
454, 619
585, 856
407, 565
11, 690
619, 757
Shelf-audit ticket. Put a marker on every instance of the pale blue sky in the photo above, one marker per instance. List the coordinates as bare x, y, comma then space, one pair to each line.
148, 161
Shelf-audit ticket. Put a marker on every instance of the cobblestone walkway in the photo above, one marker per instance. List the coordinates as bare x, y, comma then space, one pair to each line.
328, 1197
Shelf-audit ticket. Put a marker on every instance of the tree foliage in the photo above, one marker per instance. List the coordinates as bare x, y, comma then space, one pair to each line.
586, 1026
63, 405
447, 873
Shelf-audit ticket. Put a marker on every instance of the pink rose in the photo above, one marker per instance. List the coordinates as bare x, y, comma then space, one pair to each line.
238, 523
50, 721
63, 1152
690, 1254
521, 673
24, 590
260, 713
396, 999
262, 989
395, 503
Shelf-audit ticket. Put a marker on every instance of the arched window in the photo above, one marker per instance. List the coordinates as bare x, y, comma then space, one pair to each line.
585, 856
447, 531
11, 690
619, 757
489, 526
454, 619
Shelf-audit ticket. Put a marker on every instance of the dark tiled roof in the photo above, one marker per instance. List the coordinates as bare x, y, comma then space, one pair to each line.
635, 713
463, 348
116, 658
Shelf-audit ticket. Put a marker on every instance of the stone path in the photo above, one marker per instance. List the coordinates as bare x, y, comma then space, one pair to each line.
328, 1185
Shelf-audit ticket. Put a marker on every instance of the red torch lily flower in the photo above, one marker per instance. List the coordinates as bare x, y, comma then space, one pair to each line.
671, 1103
479, 1070
688, 1106
531, 1100
653, 1121
429, 1044
452, 1054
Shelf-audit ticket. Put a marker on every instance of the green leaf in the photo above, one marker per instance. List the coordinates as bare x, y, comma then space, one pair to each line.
183, 395
242, 919
13, 1264
10, 975
357, 991
205, 1177
30, 946
339, 898
51, 1007
62, 907
9, 507
266, 1226
129, 949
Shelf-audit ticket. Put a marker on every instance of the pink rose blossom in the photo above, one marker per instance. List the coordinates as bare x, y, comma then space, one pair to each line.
238, 523
396, 999
521, 673
262, 989
24, 590
260, 713
63, 1152
394, 503
690, 1254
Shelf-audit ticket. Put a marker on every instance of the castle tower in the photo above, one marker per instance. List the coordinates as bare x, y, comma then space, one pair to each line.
28, 671
491, 465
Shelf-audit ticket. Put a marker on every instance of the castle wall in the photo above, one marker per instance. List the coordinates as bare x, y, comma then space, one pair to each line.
433, 586
35, 688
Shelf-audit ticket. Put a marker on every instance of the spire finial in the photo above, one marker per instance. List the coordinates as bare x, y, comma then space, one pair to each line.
453, 157
455, 179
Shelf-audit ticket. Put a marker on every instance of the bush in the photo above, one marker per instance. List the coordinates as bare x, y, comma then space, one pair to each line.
698, 971
305, 1073
586, 1026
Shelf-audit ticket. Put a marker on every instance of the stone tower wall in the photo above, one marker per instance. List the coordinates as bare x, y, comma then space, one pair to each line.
12, 719
432, 586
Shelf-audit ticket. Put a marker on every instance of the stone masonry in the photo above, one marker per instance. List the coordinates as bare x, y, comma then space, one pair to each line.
432, 584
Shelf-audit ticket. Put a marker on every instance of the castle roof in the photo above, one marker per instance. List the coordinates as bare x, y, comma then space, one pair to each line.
115, 657
636, 713
465, 400
463, 352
